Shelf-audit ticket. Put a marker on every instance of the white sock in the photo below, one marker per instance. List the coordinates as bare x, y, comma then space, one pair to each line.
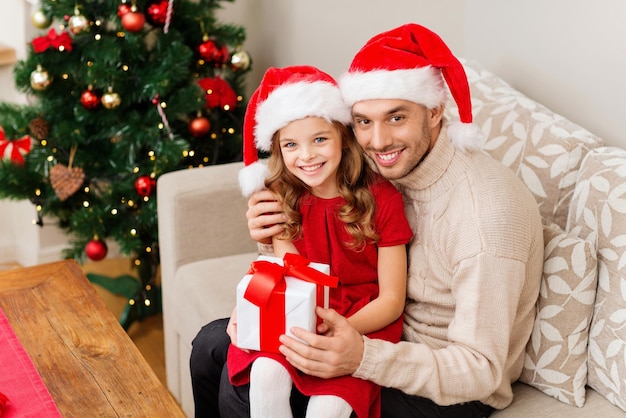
328, 406
270, 389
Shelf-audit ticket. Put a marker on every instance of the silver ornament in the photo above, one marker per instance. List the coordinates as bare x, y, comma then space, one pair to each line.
39, 19
78, 23
40, 79
240, 60
110, 99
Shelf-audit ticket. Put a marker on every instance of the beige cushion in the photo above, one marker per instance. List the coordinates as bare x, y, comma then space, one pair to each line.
528, 402
556, 355
543, 148
599, 214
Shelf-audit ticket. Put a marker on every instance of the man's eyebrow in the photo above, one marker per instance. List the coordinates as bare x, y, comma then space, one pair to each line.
399, 108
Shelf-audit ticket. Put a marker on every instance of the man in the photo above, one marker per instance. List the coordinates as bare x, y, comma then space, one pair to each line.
475, 262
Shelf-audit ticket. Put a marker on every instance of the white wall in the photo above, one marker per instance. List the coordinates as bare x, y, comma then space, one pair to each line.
568, 54
327, 33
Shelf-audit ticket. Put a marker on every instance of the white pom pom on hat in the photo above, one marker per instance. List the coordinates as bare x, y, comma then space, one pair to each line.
408, 63
283, 96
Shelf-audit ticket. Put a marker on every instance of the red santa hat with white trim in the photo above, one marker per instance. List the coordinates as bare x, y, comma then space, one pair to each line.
408, 63
285, 95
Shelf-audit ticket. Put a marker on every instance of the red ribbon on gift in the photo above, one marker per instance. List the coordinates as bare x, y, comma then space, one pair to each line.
14, 149
267, 291
52, 40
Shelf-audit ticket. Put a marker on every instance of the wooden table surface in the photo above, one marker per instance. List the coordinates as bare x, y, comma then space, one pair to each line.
88, 363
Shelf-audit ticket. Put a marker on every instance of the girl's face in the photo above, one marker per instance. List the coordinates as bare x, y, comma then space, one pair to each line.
311, 150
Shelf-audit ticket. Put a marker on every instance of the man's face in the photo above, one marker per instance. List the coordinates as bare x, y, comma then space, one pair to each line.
396, 134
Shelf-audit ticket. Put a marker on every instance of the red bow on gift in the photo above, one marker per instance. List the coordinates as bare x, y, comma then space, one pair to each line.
16, 149
52, 40
267, 291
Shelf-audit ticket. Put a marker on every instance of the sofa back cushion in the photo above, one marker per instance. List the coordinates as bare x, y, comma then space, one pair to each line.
543, 148
556, 355
598, 214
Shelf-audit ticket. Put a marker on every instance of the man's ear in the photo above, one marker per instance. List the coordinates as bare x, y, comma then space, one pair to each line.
436, 114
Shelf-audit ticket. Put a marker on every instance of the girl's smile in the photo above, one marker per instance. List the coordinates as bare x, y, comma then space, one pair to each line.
312, 150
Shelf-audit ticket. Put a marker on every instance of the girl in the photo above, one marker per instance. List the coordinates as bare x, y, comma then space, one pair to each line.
340, 213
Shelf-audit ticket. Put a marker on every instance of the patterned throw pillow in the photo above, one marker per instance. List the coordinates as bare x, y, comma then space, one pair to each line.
543, 148
598, 213
556, 355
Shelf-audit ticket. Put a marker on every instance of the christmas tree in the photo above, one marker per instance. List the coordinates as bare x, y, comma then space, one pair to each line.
120, 92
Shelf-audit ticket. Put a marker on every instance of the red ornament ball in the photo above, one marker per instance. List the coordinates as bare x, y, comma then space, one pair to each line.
90, 99
96, 249
144, 185
133, 21
199, 126
156, 12
213, 53
123, 9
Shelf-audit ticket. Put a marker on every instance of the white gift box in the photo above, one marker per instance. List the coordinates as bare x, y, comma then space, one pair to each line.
300, 301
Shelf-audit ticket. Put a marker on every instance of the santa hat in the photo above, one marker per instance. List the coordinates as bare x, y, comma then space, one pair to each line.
285, 95
407, 63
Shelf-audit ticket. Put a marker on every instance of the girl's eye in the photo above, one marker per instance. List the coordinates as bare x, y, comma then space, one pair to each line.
289, 144
319, 139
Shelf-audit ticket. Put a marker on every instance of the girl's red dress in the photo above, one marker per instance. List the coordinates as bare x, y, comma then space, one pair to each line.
323, 237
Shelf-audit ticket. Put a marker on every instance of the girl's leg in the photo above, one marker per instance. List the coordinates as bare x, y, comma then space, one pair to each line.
270, 389
328, 406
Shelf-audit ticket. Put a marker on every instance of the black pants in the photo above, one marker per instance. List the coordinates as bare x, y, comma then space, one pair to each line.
215, 397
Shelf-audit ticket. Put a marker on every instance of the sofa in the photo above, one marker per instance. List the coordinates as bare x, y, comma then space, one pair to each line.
575, 359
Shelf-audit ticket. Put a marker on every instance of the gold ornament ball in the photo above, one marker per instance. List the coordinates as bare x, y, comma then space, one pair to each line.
40, 20
240, 60
111, 100
40, 79
78, 23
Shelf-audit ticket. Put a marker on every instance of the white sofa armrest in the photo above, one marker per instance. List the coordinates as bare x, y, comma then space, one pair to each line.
201, 215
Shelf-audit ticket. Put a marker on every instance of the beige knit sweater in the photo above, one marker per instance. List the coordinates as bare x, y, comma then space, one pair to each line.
475, 265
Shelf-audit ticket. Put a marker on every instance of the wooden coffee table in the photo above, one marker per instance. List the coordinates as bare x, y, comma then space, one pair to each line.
86, 360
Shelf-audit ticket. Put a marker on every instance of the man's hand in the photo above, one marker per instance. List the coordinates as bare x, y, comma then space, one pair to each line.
336, 353
265, 216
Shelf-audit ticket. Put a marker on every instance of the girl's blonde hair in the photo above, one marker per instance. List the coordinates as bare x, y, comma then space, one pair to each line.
354, 176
